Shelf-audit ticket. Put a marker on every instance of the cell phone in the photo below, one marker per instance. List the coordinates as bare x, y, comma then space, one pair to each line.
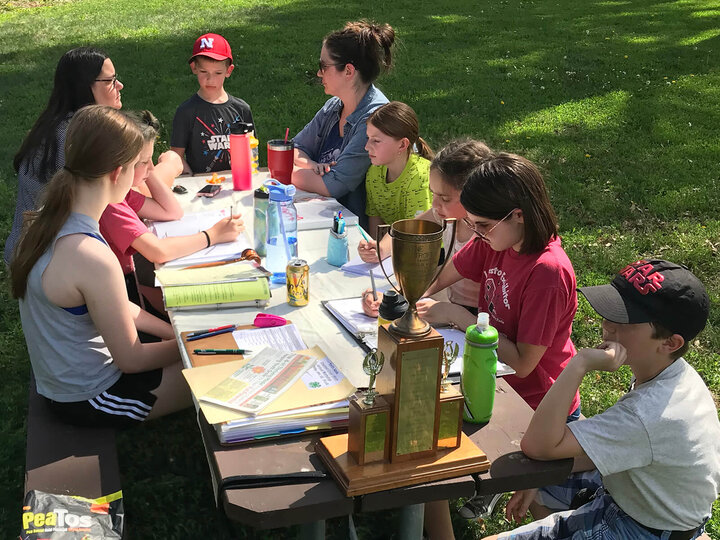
209, 191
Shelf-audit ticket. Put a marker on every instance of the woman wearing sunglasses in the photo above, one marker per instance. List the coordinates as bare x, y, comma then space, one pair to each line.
330, 155
83, 76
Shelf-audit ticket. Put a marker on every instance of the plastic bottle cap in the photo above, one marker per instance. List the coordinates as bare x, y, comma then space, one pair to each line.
279, 192
240, 128
261, 193
483, 321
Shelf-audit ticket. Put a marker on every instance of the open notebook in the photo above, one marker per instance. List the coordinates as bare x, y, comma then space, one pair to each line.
348, 311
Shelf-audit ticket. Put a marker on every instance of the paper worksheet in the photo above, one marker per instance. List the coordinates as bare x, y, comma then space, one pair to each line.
357, 266
193, 224
458, 336
283, 338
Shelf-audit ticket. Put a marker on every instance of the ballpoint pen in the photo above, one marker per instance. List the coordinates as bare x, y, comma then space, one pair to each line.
201, 332
221, 351
210, 334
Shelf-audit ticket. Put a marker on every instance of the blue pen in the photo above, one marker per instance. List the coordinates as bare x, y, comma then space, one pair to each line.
210, 334
341, 224
362, 233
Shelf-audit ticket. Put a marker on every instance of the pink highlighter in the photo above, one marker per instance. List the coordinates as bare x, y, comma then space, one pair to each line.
267, 320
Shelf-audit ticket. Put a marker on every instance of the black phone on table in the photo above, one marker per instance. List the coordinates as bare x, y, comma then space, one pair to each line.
209, 191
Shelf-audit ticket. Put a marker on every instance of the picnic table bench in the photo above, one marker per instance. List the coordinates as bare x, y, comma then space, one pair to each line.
65, 459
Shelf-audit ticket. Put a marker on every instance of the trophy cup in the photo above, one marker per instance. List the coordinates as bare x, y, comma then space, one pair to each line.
421, 428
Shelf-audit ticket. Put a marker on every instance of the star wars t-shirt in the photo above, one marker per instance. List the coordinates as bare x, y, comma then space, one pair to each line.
203, 130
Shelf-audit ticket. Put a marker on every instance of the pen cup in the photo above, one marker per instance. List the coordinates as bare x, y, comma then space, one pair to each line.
337, 251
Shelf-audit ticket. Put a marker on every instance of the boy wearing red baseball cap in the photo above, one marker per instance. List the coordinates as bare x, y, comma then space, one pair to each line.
201, 126
651, 462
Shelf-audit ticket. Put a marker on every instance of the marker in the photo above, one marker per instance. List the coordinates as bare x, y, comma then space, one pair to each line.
221, 351
210, 334
201, 332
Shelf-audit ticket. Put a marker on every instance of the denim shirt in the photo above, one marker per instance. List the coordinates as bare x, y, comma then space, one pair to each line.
346, 179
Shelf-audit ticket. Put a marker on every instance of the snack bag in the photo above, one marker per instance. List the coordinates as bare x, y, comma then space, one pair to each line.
54, 517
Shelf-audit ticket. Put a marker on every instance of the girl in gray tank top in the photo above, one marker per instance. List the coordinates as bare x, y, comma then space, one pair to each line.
79, 326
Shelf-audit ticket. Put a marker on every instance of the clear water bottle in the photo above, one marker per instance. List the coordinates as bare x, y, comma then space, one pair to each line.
261, 198
281, 226
479, 368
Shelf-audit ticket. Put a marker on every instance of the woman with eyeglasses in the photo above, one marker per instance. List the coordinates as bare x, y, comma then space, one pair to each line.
83, 76
330, 155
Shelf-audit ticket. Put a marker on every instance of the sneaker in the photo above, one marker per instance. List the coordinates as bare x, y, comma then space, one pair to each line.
479, 506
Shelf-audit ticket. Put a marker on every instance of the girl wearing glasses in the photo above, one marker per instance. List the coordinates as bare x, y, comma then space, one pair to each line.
527, 286
330, 155
80, 328
83, 76
527, 280
448, 172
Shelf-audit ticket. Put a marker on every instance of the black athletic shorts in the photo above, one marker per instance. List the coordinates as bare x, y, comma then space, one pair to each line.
124, 404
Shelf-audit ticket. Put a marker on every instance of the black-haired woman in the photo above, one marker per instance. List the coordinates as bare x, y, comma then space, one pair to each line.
83, 76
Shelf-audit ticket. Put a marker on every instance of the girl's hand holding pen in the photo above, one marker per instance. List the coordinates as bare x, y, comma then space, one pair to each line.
226, 230
366, 250
370, 306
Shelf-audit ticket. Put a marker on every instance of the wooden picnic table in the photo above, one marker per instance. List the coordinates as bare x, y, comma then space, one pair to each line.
313, 501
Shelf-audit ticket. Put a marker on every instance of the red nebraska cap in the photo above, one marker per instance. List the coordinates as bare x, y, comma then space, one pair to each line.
653, 291
213, 46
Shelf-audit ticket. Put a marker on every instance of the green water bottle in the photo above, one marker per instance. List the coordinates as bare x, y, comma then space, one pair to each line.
479, 367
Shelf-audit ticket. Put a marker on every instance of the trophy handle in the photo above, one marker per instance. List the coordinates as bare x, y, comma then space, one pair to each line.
378, 237
448, 250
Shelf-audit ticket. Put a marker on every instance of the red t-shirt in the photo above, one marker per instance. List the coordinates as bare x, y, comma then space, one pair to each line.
531, 299
120, 226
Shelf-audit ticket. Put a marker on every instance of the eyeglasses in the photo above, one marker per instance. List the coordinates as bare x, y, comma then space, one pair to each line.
112, 80
473, 227
322, 66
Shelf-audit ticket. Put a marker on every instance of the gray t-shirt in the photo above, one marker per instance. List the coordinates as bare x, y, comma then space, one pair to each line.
68, 355
658, 449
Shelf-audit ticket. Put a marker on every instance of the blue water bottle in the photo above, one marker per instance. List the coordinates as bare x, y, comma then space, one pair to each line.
281, 226
479, 368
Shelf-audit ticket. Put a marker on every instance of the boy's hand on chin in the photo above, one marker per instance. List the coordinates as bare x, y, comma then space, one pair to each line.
608, 356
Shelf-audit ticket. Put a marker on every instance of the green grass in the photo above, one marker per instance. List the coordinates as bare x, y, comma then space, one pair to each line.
615, 100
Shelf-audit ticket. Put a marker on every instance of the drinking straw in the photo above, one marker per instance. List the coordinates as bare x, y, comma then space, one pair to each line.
287, 132
283, 233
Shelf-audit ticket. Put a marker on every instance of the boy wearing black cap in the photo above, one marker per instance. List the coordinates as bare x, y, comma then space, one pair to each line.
201, 126
652, 460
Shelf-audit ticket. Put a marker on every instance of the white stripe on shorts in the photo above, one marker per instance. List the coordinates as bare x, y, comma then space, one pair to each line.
110, 404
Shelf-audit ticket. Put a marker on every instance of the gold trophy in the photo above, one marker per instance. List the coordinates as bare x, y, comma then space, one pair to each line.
423, 431
416, 246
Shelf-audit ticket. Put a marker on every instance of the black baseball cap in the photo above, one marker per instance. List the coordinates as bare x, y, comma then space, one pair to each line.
653, 291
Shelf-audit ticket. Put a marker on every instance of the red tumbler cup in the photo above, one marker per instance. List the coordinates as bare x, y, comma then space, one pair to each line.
280, 159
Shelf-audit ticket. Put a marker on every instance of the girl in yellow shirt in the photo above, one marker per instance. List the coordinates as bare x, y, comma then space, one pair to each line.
397, 181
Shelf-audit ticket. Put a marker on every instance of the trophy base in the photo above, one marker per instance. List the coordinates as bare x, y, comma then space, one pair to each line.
355, 479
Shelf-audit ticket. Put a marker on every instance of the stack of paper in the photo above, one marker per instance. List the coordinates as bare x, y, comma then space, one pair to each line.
193, 224
357, 266
316, 211
229, 285
349, 312
315, 399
